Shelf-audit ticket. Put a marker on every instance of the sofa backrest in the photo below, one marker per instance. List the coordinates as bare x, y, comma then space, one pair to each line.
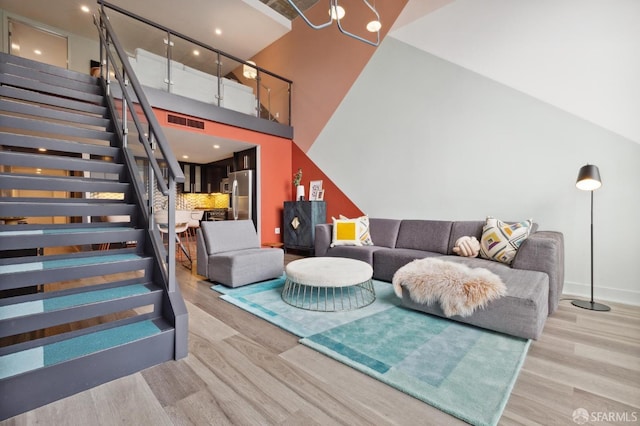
427, 235
472, 228
229, 235
384, 232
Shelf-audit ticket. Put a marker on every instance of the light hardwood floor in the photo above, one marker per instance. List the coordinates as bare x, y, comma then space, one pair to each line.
242, 370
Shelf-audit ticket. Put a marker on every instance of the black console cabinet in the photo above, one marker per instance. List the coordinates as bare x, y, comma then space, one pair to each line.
300, 220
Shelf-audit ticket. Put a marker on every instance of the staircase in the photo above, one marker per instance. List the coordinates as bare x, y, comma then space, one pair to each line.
82, 300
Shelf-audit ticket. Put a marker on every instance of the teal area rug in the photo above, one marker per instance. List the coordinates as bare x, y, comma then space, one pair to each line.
465, 371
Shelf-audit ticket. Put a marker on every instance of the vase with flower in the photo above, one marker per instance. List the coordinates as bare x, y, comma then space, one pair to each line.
297, 179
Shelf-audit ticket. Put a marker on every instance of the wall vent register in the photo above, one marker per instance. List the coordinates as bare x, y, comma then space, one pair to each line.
183, 121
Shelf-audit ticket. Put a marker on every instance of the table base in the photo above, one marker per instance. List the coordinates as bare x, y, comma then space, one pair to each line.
328, 299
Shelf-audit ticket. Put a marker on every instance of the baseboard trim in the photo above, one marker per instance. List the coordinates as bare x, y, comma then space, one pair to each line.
602, 294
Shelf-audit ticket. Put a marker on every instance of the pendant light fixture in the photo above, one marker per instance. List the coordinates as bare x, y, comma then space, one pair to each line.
336, 13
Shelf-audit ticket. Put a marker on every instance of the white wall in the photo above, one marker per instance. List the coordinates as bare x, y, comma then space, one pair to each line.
420, 137
81, 50
580, 55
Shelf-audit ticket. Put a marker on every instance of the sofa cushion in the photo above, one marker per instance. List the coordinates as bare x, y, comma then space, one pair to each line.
426, 235
521, 312
387, 261
229, 235
500, 240
238, 268
384, 232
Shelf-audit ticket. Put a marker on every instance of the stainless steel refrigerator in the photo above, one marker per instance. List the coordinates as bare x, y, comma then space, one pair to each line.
241, 184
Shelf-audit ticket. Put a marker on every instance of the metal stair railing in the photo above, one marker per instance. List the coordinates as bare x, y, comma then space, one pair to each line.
153, 143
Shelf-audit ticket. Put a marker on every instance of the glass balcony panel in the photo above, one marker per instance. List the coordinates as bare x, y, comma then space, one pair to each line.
274, 99
238, 92
195, 71
146, 48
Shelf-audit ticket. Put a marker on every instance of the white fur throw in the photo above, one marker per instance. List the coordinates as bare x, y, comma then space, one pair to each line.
458, 288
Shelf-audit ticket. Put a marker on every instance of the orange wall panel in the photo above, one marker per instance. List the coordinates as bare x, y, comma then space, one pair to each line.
323, 64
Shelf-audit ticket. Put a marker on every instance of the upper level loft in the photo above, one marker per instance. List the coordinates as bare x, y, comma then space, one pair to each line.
187, 76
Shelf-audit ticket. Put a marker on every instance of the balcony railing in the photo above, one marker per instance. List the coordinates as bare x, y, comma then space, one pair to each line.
169, 61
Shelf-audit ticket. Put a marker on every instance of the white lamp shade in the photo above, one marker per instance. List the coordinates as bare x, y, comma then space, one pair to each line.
336, 12
248, 71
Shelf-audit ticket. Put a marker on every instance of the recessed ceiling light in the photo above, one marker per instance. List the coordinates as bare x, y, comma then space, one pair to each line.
218, 31
85, 9
15, 46
196, 53
38, 171
185, 156
37, 52
42, 149
216, 146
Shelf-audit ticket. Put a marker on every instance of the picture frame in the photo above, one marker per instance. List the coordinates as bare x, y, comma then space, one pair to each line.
320, 195
315, 186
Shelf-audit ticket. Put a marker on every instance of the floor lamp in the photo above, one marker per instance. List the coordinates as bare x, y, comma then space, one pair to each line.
589, 180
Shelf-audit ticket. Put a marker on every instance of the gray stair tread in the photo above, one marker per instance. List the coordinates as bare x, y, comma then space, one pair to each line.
57, 231
71, 300
67, 262
49, 69
57, 80
38, 86
54, 353
53, 128
58, 162
28, 95
28, 141
61, 183
51, 113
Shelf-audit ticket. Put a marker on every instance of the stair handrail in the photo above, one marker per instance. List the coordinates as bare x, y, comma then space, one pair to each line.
154, 125
154, 138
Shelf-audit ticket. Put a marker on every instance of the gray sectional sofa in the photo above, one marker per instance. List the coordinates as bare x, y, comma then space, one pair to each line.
534, 280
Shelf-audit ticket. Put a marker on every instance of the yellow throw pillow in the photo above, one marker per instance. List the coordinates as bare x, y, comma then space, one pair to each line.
345, 233
363, 229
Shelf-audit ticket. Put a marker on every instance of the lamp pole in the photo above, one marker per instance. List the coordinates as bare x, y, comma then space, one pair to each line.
590, 175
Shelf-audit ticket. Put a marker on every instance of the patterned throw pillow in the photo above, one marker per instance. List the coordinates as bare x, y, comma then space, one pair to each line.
500, 241
345, 233
363, 229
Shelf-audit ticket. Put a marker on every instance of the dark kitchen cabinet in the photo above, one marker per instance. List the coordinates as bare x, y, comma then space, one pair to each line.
246, 159
299, 223
197, 178
219, 170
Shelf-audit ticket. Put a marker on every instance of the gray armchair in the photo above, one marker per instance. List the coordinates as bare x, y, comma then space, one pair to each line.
229, 253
